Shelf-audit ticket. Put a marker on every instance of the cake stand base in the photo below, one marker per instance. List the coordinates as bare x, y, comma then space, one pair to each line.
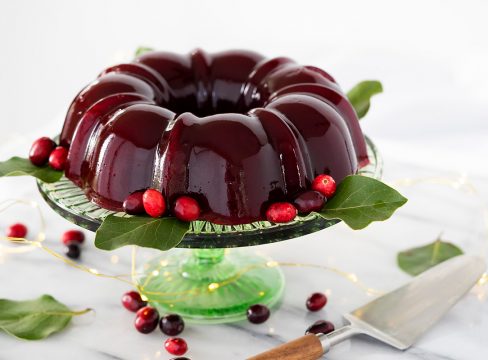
211, 285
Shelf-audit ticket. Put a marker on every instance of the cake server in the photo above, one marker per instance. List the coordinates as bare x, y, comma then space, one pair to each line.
398, 318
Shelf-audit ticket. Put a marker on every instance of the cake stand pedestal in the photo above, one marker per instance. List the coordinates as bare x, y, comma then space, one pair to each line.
211, 283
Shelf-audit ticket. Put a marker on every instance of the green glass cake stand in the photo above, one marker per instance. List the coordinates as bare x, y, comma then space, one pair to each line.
211, 283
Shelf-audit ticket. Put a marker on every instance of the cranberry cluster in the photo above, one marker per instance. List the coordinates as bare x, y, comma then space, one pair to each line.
323, 188
152, 202
258, 314
186, 208
45, 151
72, 239
147, 320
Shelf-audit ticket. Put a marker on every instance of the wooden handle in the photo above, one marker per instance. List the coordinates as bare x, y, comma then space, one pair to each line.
307, 347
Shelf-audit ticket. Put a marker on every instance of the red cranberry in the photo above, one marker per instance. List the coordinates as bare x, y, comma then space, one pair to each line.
17, 231
186, 209
40, 151
325, 185
320, 327
58, 157
132, 301
154, 203
316, 301
172, 324
258, 313
73, 251
309, 201
176, 346
73, 236
133, 204
147, 319
281, 212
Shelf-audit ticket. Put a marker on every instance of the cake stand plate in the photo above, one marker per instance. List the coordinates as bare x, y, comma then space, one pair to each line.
209, 284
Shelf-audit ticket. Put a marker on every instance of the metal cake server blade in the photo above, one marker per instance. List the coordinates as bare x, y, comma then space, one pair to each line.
397, 318
401, 316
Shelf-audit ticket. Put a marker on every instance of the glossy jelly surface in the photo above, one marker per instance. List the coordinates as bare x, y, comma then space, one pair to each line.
233, 130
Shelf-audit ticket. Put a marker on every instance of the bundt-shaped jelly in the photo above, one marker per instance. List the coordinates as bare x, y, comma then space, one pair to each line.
231, 129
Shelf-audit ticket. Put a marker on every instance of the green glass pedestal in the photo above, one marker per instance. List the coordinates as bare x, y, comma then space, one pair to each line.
211, 285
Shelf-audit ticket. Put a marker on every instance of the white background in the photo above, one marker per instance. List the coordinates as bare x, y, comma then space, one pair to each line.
432, 120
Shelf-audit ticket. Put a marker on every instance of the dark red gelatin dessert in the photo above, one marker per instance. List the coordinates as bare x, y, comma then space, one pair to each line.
233, 130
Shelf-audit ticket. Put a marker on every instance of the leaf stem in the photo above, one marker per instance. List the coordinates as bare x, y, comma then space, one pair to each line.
436, 249
82, 312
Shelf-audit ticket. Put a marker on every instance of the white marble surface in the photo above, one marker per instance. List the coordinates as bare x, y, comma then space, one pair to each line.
430, 123
370, 254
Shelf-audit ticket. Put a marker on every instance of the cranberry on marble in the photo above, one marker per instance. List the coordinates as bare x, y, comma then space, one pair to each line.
172, 324
320, 327
257, 314
147, 319
73, 236
73, 251
176, 346
132, 301
17, 230
316, 301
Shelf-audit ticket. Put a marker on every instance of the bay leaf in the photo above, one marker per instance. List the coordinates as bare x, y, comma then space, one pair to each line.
17, 166
361, 94
157, 233
360, 200
141, 50
34, 319
417, 260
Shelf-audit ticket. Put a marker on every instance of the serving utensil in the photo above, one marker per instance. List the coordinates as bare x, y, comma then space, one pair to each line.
398, 318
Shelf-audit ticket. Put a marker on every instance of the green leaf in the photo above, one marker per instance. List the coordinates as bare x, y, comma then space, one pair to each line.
157, 233
417, 260
142, 50
34, 319
360, 95
360, 200
17, 166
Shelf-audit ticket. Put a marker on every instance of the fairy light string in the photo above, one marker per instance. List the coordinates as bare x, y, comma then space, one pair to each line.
179, 296
214, 286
